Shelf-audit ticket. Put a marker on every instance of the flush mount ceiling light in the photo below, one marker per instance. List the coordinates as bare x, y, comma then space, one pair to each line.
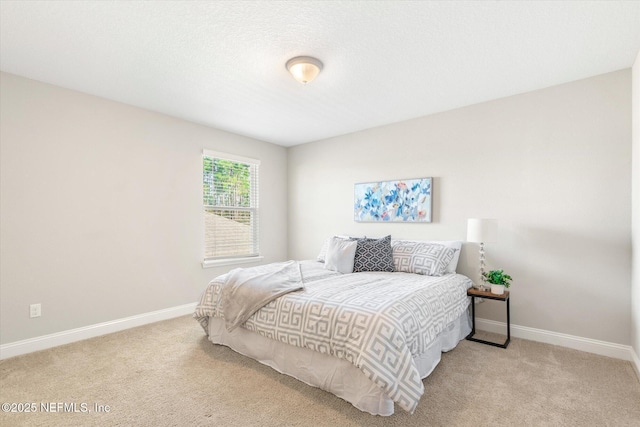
304, 68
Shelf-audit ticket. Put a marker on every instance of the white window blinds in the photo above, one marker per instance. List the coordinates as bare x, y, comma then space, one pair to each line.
230, 199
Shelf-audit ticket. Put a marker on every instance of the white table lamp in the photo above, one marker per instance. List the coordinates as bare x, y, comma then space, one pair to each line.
482, 231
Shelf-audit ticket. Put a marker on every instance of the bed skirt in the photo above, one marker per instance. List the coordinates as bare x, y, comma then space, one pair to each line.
334, 375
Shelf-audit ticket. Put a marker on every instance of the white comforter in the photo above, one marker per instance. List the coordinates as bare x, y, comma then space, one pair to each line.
376, 321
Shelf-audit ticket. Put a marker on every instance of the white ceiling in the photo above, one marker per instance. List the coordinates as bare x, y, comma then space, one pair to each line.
221, 63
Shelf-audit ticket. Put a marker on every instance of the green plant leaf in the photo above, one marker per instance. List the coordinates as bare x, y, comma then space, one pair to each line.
497, 277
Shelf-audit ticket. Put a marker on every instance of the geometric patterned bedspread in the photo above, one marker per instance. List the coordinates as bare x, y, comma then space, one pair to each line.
376, 321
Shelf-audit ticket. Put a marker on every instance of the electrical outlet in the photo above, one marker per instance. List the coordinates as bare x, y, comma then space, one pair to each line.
35, 310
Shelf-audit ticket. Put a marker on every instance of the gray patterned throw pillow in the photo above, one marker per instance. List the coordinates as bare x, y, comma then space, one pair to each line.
422, 258
373, 255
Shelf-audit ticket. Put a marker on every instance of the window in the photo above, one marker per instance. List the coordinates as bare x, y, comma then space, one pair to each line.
230, 201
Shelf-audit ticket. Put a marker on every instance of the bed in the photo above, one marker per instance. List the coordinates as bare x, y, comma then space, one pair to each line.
369, 337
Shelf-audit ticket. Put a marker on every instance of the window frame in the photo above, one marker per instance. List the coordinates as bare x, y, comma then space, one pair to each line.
255, 255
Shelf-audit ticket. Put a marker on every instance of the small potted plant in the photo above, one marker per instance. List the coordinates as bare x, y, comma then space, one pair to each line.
498, 279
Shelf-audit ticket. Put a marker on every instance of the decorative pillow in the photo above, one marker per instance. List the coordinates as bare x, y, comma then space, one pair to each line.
456, 245
373, 255
325, 246
323, 250
340, 255
421, 258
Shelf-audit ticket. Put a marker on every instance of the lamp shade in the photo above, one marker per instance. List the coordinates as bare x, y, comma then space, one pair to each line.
304, 68
482, 230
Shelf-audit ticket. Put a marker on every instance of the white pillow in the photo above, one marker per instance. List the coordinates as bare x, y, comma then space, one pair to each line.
325, 246
455, 244
340, 255
323, 250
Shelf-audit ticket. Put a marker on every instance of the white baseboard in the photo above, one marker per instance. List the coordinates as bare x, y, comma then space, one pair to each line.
635, 362
65, 337
589, 345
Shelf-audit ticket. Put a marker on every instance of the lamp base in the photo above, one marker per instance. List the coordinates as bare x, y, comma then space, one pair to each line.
480, 287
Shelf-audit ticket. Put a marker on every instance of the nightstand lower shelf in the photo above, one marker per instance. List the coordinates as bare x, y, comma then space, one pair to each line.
475, 293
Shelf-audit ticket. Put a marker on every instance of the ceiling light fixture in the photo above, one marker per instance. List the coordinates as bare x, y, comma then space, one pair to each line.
304, 68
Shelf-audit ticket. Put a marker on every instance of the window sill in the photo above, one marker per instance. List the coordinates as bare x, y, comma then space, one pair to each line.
230, 261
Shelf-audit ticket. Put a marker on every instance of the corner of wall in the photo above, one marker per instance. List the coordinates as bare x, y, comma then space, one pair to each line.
635, 214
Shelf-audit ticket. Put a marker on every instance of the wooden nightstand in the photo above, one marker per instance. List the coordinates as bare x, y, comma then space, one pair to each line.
476, 293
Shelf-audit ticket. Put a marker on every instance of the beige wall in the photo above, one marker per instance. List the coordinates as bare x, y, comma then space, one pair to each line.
101, 208
553, 166
635, 298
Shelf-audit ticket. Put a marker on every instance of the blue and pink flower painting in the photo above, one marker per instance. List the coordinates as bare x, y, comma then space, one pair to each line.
407, 200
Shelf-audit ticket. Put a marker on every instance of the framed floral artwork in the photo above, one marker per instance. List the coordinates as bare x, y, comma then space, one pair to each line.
405, 200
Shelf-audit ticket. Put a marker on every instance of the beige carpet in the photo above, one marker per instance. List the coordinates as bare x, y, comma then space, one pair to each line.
168, 373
